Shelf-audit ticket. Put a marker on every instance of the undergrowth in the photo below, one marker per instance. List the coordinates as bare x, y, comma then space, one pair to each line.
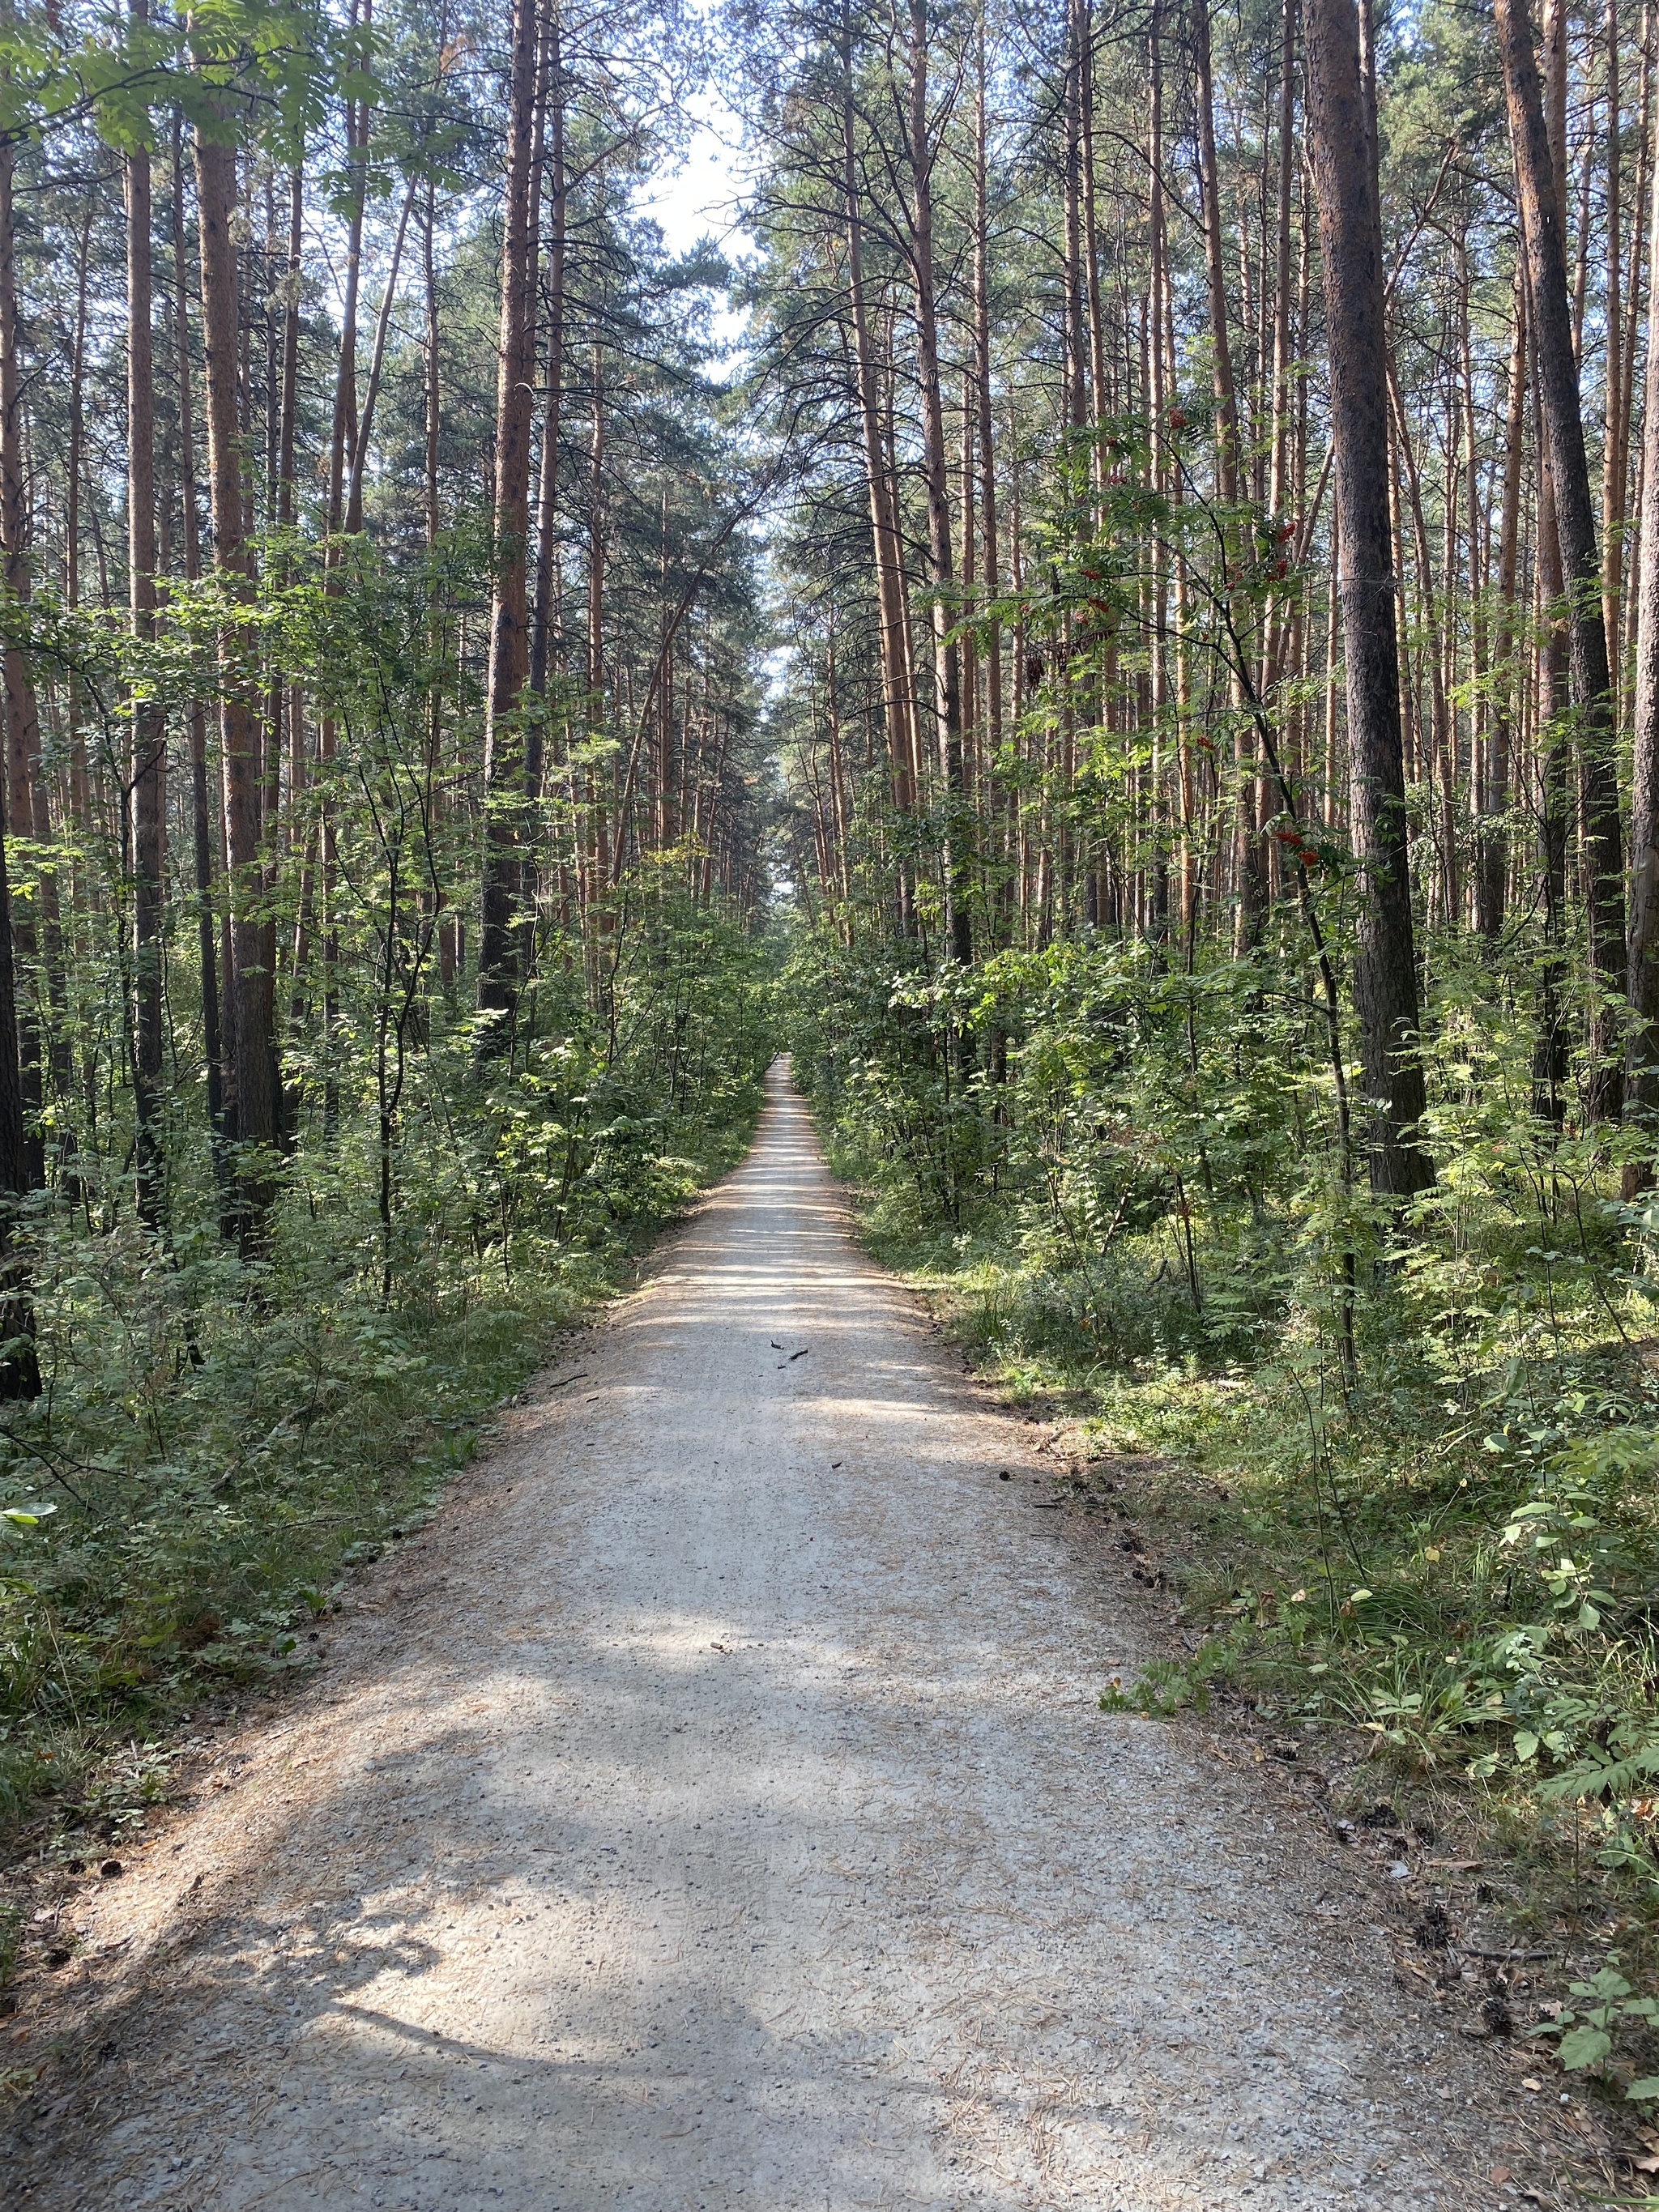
1467, 1577
1402, 1466
219, 1443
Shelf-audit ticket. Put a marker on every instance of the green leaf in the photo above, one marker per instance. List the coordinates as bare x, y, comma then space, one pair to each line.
1583, 2046
1606, 1983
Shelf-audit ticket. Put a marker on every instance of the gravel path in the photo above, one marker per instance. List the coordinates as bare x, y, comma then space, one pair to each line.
712, 1812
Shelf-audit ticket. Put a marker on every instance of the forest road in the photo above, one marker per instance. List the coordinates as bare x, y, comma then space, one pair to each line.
712, 1812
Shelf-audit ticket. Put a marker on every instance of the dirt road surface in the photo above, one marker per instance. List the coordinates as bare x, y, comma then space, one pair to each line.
712, 1812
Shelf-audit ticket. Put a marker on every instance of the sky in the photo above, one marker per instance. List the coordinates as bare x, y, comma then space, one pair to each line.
701, 194
700, 198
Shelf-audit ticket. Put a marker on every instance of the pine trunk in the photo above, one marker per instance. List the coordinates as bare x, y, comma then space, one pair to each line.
1351, 248
250, 981
149, 769
1575, 518
509, 641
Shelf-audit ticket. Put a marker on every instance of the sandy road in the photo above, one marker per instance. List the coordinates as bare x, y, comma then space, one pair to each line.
712, 1812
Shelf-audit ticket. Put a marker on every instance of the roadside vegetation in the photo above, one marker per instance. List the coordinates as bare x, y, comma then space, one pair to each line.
1419, 1515
208, 1458
1232, 983
383, 950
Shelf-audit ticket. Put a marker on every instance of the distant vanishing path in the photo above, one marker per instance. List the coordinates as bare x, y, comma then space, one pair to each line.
712, 1812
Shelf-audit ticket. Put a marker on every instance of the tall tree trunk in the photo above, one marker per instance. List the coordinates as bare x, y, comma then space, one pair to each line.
213, 1041
1284, 419
555, 189
1351, 249
23, 708
148, 781
354, 511
20, 1373
1281, 398
1550, 696
1613, 457
1622, 645
288, 423
1089, 212
1071, 285
286, 729
80, 774
342, 448
1550, 691
1581, 565
936, 469
1493, 860
988, 477
250, 979
1247, 850
345, 381
899, 693
1226, 402
547, 519
509, 657
598, 875
1642, 1093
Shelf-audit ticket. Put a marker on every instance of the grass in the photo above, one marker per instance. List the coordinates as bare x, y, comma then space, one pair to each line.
1376, 1574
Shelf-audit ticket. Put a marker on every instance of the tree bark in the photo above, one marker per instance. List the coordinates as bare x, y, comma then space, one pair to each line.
20, 1373
947, 671
23, 708
509, 656
148, 782
988, 477
547, 494
1226, 402
1492, 869
1642, 1092
213, 1041
1613, 457
250, 979
354, 510
1247, 850
1089, 210
1581, 564
897, 682
1351, 249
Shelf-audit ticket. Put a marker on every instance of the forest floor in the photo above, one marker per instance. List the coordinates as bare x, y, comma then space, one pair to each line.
713, 1808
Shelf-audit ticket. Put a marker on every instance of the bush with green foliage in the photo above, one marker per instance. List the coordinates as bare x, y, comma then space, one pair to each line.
218, 1440
1121, 1176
